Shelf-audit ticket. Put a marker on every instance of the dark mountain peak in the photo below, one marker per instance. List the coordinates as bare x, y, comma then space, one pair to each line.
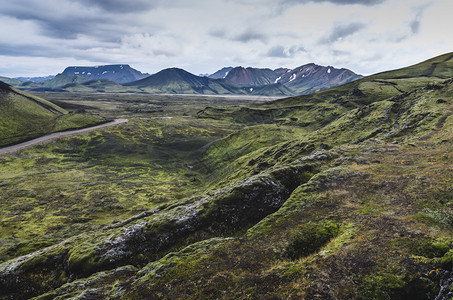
311, 77
251, 76
173, 80
103, 67
259, 69
119, 73
174, 70
222, 73
281, 71
174, 74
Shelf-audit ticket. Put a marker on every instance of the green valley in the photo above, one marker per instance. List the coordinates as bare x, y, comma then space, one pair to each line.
345, 193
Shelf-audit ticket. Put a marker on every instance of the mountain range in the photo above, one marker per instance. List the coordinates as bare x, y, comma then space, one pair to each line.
239, 80
305, 79
179, 81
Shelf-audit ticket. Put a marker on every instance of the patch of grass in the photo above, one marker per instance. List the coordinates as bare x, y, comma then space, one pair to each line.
431, 249
447, 259
310, 238
390, 285
74, 121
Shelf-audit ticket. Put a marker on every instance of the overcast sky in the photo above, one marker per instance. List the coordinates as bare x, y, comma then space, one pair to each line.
367, 36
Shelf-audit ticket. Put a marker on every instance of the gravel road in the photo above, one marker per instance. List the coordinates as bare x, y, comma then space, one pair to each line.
57, 135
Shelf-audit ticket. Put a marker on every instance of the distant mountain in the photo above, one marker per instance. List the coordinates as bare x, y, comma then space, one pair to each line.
220, 74
35, 79
251, 76
96, 85
11, 81
179, 81
311, 78
63, 79
302, 80
28, 85
116, 73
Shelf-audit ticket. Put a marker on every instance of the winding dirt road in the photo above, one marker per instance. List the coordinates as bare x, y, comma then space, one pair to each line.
57, 135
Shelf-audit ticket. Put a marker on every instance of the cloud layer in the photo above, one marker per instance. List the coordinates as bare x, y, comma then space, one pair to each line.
367, 36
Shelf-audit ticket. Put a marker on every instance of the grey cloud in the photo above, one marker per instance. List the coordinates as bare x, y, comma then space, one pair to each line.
349, 2
122, 5
415, 25
164, 52
244, 37
416, 22
342, 32
12, 50
337, 53
282, 52
51, 51
70, 30
277, 51
68, 20
249, 35
339, 2
218, 33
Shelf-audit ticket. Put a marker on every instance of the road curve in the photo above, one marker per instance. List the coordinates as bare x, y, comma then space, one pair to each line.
53, 136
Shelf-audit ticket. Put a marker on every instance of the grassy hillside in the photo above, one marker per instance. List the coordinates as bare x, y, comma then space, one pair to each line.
61, 80
342, 194
23, 116
10, 81
93, 86
271, 90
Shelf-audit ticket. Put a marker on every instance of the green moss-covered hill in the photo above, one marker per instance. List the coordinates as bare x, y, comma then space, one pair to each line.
24, 116
342, 194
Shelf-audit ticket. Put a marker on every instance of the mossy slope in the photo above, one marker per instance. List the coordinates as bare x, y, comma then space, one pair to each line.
23, 116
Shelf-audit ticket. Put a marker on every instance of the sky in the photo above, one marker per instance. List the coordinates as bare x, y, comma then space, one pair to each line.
366, 36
